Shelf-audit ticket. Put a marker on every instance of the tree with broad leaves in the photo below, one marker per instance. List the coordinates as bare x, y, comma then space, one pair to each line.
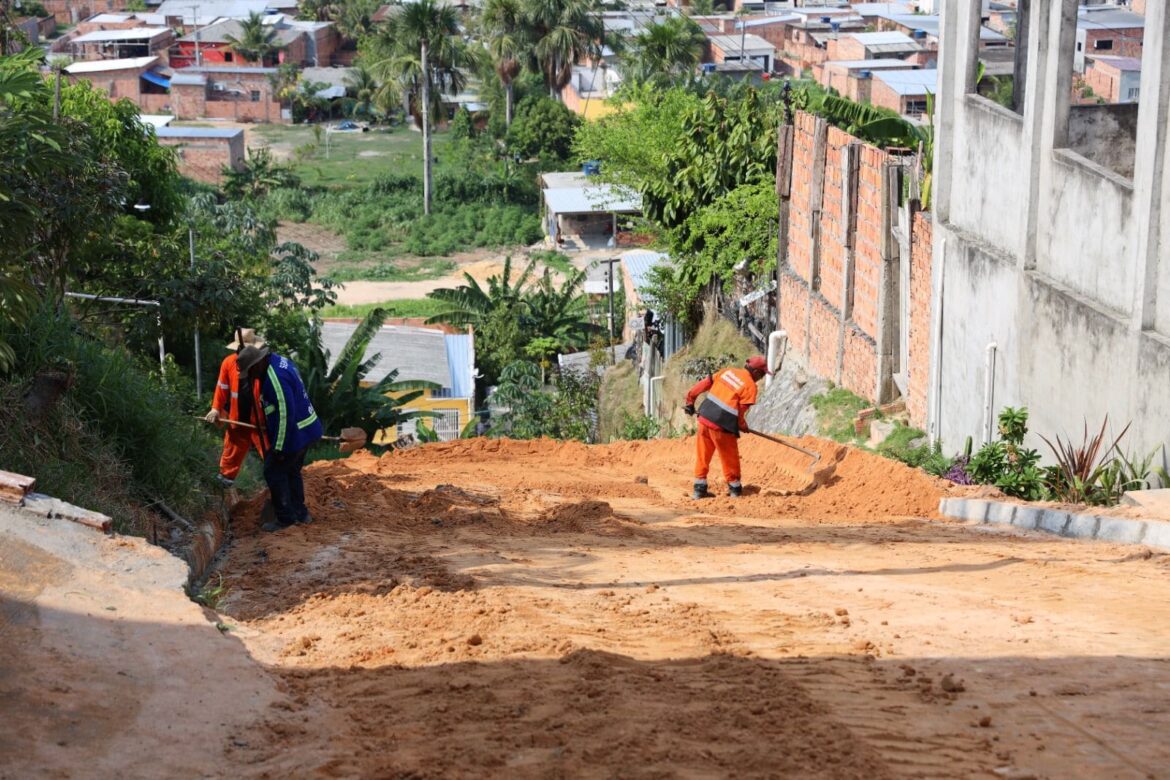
507, 40
563, 32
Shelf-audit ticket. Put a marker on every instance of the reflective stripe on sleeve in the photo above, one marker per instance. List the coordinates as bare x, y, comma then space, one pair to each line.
305, 423
282, 405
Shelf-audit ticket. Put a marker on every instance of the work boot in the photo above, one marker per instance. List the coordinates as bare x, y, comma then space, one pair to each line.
275, 525
308, 518
223, 481
735, 490
700, 490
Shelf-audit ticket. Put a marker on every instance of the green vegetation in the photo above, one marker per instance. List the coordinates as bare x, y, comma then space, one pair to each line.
620, 398
566, 412
716, 345
405, 307
703, 156
429, 268
90, 202
519, 317
836, 411
909, 445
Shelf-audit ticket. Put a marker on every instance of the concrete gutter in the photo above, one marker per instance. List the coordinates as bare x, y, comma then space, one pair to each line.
1074, 525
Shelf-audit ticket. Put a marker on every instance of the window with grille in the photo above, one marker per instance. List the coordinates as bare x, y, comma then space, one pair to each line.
447, 424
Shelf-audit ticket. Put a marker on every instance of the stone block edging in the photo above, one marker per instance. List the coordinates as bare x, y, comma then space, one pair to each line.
1074, 525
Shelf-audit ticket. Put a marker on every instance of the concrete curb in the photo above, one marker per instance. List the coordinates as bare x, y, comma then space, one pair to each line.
1104, 528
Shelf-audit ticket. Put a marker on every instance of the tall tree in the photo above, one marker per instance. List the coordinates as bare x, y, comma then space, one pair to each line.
507, 41
419, 52
563, 31
666, 50
362, 92
256, 41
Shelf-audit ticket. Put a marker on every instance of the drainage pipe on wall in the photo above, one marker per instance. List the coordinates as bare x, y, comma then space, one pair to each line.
777, 346
989, 393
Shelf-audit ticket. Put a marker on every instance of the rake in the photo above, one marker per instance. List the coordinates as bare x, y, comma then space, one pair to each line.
820, 476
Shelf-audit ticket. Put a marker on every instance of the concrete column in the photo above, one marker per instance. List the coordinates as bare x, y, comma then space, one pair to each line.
959, 31
1150, 182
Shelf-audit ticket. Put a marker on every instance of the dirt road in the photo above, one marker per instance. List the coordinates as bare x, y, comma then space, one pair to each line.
544, 610
532, 610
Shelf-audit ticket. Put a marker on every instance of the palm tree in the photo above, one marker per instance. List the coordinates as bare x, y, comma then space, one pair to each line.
363, 91
671, 48
559, 313
563, 31
424, 57
256, 41
506, 35
471, 304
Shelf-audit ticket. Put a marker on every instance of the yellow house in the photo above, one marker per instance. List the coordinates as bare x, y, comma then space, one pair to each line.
421, 354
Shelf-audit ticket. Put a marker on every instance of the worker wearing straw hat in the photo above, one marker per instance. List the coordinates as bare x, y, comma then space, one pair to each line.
230, 403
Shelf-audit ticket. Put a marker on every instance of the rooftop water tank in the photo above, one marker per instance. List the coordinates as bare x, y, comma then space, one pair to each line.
835, 26
919, 34
591, 167
826, 19
865, 74
708, 67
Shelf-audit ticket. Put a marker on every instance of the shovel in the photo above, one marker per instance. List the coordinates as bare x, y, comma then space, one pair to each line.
819, 476
350, 440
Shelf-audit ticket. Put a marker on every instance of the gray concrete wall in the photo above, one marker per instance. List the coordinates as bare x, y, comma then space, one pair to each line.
1056, 257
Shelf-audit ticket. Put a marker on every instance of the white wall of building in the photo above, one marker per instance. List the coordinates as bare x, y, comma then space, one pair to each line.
1059, 261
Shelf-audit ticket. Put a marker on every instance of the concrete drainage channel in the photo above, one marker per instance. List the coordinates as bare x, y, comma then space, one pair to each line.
1074, 525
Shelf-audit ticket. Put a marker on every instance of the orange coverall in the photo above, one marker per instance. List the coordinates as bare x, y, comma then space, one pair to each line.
730, 393
236, 438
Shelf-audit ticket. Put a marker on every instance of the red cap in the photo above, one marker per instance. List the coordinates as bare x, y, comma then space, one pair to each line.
757, 363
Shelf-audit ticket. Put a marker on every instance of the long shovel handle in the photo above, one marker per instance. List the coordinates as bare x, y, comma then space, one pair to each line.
816, 456
226, 421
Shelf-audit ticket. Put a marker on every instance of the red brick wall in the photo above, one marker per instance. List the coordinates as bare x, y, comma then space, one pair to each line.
881, 95
204, 158
843, 350
1105, 81
1127, 42
918, 370
116, 83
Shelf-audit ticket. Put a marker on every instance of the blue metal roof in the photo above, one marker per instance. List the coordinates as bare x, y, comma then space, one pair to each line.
155, 78
197, 132
638, 263
460, 363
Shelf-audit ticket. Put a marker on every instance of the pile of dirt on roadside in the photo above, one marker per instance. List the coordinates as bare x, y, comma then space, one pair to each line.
865, 487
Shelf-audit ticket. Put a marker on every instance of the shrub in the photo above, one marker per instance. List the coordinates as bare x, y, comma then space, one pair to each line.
639, 427
1006, 463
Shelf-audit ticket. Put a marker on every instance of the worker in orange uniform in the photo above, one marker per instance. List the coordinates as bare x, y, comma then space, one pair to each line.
233, 400
722, 415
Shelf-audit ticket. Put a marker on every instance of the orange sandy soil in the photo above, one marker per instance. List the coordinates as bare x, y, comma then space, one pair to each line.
534, 609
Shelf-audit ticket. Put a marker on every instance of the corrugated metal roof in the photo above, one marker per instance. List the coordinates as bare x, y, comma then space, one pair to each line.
732, 43
197, 132
592, 199
554, 180
133, 34
867, 64
638, 263
418, 353
224, 29
1108, 18
97, 66
188, 78
461, 363
208, 10
910, 82
216, 70
1129, 64
881, 38
109, 18
881, 9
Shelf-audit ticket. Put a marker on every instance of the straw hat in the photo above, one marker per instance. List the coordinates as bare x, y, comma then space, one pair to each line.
245, 337
250, 356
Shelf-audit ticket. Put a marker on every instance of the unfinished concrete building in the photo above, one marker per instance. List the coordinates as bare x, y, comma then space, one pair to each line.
1051, 280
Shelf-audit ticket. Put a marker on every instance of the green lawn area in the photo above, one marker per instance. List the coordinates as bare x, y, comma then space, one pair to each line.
354, 158
376, 266
403, 307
